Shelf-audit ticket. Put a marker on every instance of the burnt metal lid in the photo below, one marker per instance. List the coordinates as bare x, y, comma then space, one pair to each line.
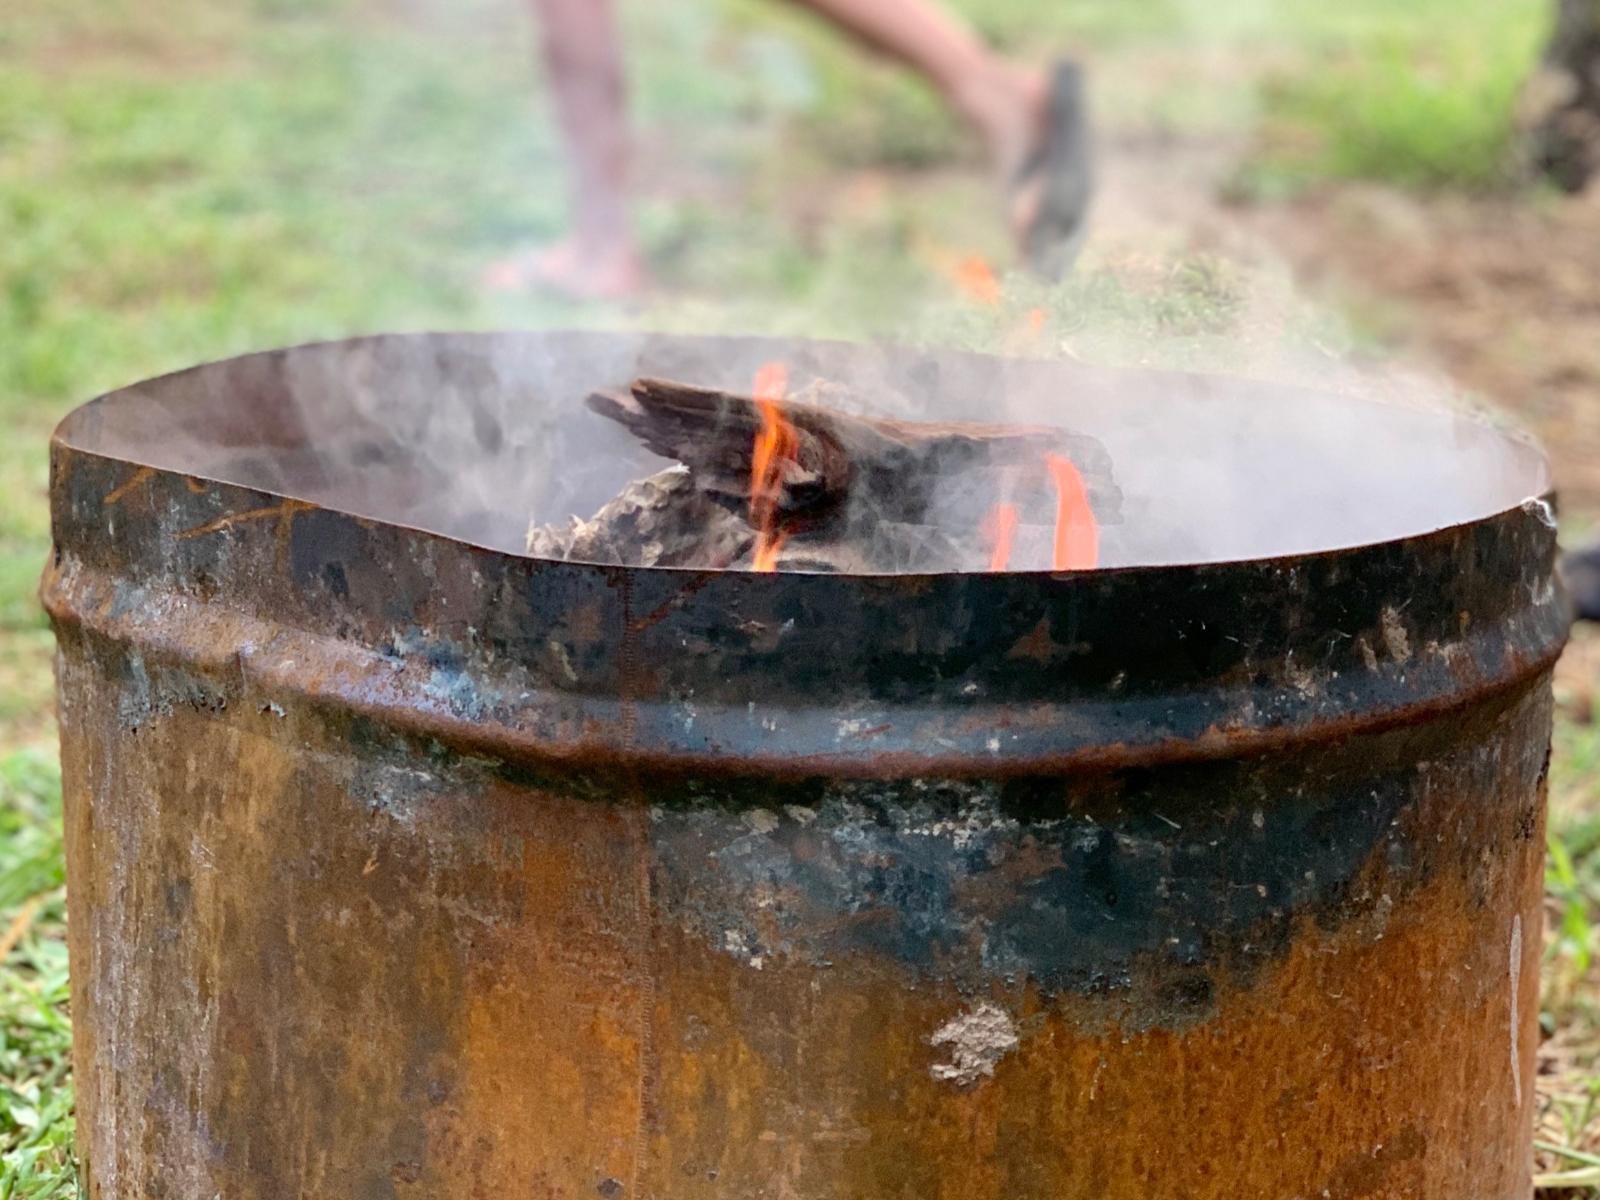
342, 522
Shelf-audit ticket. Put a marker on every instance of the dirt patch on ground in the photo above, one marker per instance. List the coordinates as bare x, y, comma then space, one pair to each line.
1501, 294
1578, 677
135, 52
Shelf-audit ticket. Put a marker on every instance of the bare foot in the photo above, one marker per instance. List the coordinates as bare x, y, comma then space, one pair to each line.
582, 271
1010, 108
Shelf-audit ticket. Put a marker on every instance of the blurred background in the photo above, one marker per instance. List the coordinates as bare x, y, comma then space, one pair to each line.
1288, 187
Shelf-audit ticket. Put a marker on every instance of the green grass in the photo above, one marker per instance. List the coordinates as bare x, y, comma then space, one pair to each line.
35, 1099
1418, 100
1571, 1009
1574, 874
188, 180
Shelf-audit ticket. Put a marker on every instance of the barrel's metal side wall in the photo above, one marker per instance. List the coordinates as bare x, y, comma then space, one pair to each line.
337, 936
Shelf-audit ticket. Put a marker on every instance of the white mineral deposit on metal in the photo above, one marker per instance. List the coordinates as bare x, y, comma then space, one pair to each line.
978, 1040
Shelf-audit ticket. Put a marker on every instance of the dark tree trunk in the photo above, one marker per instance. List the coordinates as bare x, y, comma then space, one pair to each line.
1564, 141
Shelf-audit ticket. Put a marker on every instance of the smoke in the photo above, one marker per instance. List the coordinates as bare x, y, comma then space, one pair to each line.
471, 435
1274, 437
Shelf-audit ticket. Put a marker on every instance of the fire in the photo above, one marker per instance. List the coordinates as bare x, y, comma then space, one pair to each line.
977, 279
971, 274
1001, 527
1026, 333
776, 443
766, 555
1077, 541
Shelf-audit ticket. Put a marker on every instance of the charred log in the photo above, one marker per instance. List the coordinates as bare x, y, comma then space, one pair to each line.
889, 467
854, 494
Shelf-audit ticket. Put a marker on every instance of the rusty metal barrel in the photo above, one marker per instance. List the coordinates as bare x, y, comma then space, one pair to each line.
404, 865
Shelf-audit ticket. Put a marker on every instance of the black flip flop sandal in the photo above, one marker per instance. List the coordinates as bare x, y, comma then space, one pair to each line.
1061, 164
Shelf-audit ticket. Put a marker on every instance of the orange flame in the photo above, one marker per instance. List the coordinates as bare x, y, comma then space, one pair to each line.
768, 547
1027, 332
1001, 527
776, 442
970, 273
1077, 543
977, 279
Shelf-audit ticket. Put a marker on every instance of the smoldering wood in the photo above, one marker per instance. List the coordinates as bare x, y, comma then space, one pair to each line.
886, 466
856, 495
666, 521
662, 521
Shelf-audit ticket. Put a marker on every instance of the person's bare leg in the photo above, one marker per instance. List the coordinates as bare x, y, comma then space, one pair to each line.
1004, 102
1031, 123
583, 59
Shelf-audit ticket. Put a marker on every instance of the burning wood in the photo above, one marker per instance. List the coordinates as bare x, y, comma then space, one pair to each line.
1077, 540
767, 483
776, 444
1002, 531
